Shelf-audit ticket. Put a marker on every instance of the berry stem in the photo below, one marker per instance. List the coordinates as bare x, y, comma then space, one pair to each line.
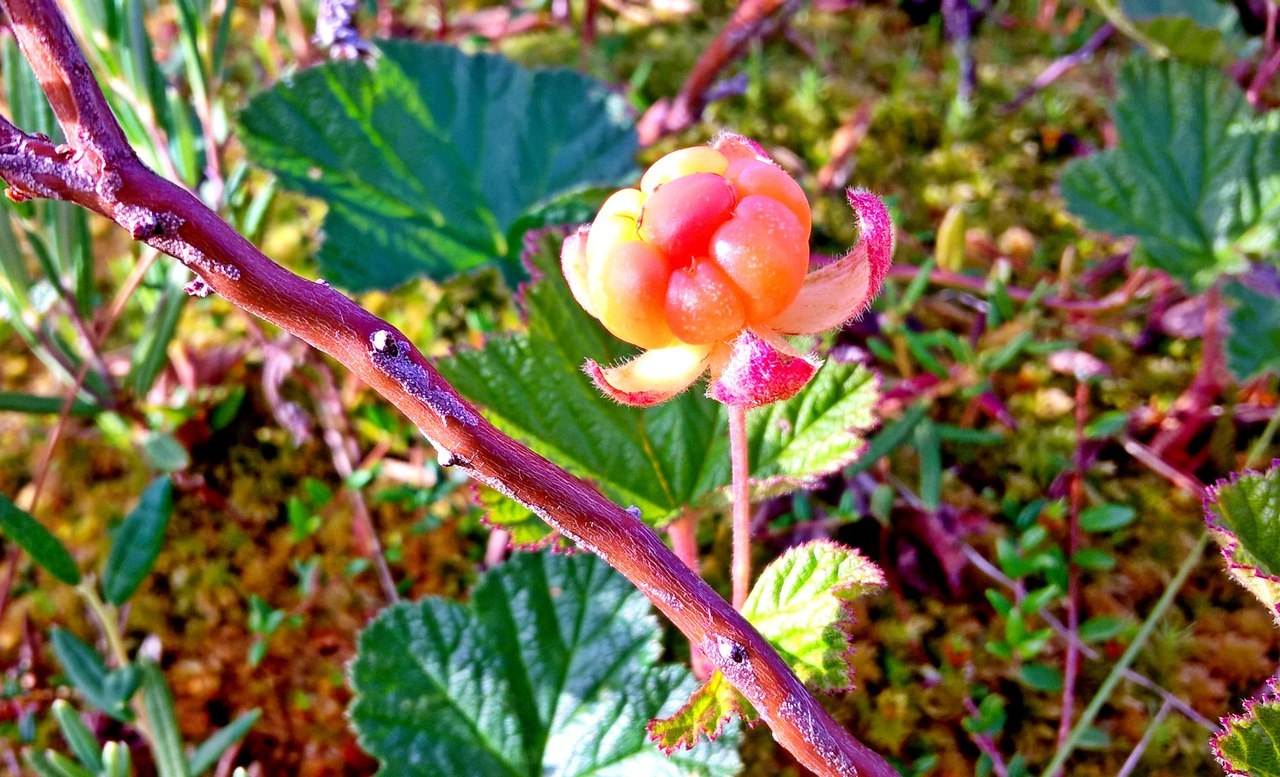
741, 505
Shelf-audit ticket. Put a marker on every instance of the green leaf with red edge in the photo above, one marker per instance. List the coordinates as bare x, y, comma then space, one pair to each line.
1249, 745
661, 459
710, 708
1243, 514
802, 605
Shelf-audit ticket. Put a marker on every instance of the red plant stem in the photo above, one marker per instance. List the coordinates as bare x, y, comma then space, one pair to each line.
99, 171
741, 505
748, 20
1072, 664
683, 532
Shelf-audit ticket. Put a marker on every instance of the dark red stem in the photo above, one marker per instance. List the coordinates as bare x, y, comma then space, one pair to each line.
99, 171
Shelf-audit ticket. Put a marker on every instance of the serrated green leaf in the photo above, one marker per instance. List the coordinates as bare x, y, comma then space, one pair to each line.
428, 156
662, 459
45, 549
1250, 744
709, 710
137, 542
1244, 516
551, 651
1253, 346
800, 604
1195, 176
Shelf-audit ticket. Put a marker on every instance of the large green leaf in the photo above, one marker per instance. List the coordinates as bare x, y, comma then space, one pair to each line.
1195, 176
428, 157
662, 459
801, 604
551, 670
1250, 744
45, 549
1244, 516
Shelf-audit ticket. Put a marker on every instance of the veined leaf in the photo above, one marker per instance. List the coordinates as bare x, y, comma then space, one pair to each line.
1253, 347
801, 605
551, 669
1250, 745
428, 157
661, 459
1244, 515
1195, 176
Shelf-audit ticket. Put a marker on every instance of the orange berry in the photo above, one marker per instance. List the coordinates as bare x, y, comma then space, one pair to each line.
702, 304
751, 176
630, 295
764, 251
682, 214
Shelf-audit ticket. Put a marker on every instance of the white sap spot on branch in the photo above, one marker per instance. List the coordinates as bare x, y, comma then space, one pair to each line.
391, 355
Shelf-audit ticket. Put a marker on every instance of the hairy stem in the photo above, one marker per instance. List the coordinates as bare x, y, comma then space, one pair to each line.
741, 505
100, 171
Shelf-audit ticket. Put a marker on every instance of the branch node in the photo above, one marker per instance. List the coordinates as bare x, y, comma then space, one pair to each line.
634, 512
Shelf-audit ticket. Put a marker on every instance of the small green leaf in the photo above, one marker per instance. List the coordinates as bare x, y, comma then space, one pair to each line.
551, 651
709, 710
1041, 677
1102, 628
45, 549
1104, 518
166, 745
209, 751
85, 670
1244, 516
427, 156
164, 453
1107, 425
528, 531
1195, 175
1250, 744
18, 402
1094, 558
800, 605
137, 542
82, 742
